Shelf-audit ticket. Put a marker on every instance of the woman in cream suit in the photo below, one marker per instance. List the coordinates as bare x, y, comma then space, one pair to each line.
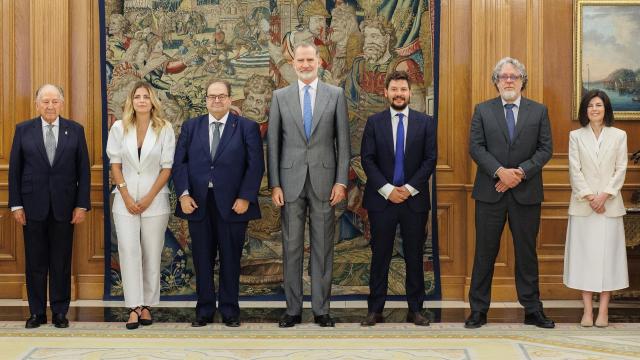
140, 149
595, 256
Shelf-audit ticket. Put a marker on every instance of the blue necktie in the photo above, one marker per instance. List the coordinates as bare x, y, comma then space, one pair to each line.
511, 120
307, 116
398, 168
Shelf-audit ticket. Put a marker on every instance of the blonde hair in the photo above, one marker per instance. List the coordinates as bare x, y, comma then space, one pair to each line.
129, 114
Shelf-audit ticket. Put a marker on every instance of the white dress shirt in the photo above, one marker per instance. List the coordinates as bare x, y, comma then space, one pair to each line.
515, 109
212, 119
387, 188
313, 90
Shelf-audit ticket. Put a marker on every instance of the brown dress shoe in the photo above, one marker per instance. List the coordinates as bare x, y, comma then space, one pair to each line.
372, 319
417, 318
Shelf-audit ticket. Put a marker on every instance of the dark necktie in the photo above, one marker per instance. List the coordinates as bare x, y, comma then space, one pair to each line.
215, 139
398, 168
511, 120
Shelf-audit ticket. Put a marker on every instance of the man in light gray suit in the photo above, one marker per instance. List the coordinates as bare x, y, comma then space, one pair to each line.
510, 141
308, 155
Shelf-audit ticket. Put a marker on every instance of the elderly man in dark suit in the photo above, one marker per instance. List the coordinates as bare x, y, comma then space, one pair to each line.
510, 141
49, 186
398, 155
217, 169
309, 150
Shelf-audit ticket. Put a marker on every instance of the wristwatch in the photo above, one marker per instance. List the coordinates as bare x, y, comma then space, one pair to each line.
120, 186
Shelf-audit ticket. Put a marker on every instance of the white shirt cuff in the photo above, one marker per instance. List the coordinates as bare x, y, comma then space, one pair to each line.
412, 190
14, 208
386, 190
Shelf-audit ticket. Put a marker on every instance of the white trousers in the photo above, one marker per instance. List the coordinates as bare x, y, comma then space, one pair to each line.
140, 244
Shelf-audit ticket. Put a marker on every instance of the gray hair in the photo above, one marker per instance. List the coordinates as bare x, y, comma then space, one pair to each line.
45, 86
306, 44
516, 64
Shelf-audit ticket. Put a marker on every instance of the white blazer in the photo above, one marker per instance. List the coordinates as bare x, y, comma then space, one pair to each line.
140, 174
593, 173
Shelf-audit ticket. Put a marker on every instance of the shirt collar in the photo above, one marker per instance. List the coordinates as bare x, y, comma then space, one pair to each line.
313, 84
404, 112
55, 123
516, 103
223, 120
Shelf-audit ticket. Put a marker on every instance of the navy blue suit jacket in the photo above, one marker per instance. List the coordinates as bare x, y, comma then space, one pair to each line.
378, 158
236, 171
38, 186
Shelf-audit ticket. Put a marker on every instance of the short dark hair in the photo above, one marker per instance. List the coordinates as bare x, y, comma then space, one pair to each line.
397, 75
608, 109
221, 81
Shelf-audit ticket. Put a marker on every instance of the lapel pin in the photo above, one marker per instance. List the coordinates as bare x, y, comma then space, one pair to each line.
65, 132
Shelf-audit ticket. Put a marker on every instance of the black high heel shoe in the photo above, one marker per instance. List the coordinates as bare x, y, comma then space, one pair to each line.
146, 322
133, 325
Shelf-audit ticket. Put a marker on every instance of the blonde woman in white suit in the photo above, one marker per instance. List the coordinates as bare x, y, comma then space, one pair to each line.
595, 256
140, 150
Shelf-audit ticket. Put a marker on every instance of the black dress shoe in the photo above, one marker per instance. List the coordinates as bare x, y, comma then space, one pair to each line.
539, 319
417, 318
232, 321
475, 320
35, 321
60, 321
372, 319
146, 322
133, 324
324, 320
289, 320
201, 321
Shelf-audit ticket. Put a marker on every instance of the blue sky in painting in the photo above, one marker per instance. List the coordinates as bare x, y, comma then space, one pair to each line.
610, 39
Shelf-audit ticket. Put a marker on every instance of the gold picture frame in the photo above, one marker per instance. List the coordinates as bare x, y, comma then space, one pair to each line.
606, 54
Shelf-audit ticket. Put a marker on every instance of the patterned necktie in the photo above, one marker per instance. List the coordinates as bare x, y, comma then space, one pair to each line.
511, 120
215, 139
398, 167
50, 144
307, 116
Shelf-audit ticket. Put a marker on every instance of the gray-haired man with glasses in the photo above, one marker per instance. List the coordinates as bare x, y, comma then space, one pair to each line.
510, 141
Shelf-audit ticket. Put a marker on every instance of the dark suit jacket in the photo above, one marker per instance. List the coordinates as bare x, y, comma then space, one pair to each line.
378, 158
38, 186
490, 148
236, 170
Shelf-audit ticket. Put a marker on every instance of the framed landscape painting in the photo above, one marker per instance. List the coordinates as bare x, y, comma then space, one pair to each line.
607, 53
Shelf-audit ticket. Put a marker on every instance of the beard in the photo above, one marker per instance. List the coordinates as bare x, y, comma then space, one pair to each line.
307, 75
372, 52
401, 107
509, 95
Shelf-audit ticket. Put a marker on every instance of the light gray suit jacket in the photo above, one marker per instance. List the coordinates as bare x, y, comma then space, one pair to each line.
326, 155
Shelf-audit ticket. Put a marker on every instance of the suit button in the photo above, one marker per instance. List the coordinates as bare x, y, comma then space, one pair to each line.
212, 168
138, 172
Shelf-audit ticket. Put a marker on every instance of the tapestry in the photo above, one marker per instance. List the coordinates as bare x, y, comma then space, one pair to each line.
178, 45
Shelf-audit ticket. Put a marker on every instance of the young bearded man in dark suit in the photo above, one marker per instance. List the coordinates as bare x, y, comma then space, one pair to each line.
398, 156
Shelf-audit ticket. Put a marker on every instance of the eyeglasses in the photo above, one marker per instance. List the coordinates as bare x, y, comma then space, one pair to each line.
221, 97
505, 77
